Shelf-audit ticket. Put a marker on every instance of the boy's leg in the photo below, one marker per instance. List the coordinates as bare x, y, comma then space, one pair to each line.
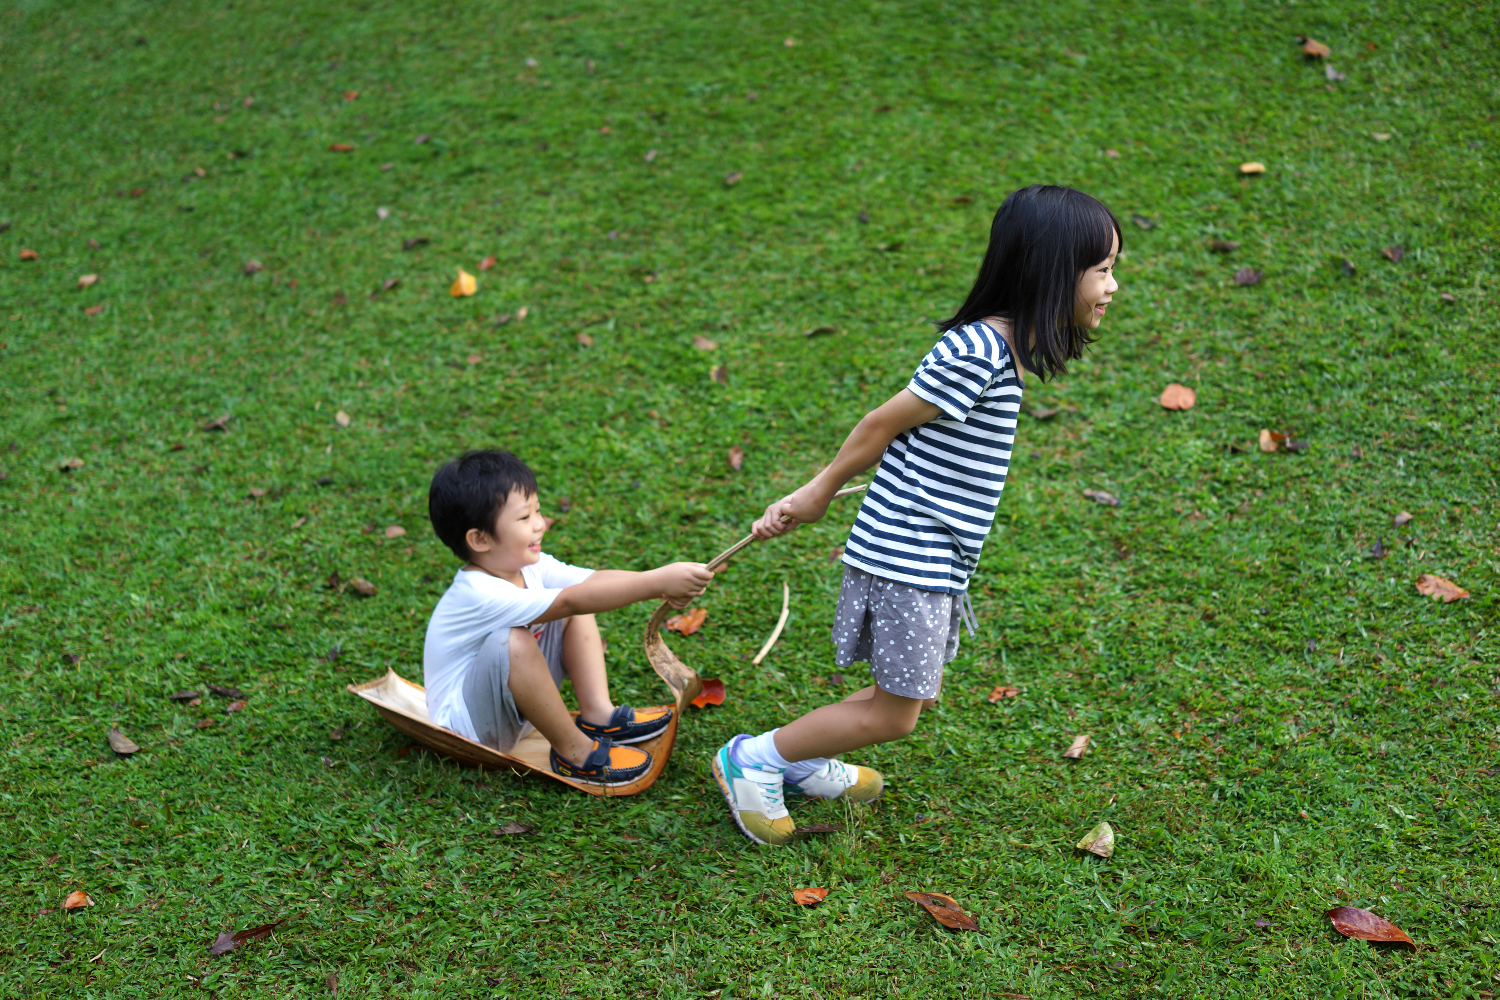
583, 662
535, 692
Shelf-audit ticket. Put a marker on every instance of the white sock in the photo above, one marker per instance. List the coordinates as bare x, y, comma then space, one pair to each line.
759, 751
801, 770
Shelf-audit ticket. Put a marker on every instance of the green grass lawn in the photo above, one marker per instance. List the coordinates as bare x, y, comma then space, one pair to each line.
1280, 722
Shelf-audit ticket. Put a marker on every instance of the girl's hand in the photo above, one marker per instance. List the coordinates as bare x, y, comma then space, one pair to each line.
803, 507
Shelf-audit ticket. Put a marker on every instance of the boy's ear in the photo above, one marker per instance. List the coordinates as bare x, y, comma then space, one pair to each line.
478, 541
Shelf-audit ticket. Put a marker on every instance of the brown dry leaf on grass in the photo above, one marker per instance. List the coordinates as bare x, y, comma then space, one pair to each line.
1393, 254
1314, 49
1223, 246
218, 424
77, 900
341, 147
945, 910
1435, 586
1400, 519
1100, 840
712, 693
807, 897
820, 330
1248, 276
1100, 496
93, 310
487, 263
120, 743
1079, 748
203, 723
226, 692
237, 706
342, 419
71, 464
813, 829
1351, 921
704, 344
30, 255
514, 829
733, 178
185, 695
1178, 397
87, 280
362, 586
720, 374
1003, 691
394, 531
226, 941
688, 622
736, 457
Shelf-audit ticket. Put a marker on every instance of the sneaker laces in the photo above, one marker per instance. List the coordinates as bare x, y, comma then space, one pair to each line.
773, 788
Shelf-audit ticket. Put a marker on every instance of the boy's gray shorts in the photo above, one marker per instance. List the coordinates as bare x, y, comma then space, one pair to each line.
905, 634
492, 709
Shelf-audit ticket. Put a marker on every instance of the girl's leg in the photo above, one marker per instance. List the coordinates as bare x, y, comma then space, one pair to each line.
536, 696
583, 662
866, 693
848, 725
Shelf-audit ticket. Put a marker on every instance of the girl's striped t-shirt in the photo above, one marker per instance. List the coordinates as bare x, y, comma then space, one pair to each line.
933, 499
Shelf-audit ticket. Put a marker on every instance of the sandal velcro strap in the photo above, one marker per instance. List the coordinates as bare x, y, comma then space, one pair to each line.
629, 725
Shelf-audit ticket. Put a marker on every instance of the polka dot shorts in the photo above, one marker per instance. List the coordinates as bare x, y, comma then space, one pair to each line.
905, 634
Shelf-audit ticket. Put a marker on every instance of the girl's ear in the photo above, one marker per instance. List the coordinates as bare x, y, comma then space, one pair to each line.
478, 541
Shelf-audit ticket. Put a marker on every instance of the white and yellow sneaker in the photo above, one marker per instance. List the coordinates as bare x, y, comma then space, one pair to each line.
837, 780
755, 800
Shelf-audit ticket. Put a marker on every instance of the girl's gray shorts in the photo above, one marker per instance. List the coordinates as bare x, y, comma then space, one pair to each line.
905, 634
492, 710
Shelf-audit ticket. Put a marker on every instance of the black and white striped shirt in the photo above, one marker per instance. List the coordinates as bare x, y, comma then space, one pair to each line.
933, 499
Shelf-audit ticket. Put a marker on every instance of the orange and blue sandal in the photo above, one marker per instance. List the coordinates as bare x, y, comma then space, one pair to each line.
606, 765
630, 725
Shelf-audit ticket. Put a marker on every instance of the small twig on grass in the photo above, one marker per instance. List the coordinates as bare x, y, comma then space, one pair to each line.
786, 607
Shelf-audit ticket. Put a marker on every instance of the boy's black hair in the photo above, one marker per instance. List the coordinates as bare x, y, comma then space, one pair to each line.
469, 491
1043, 236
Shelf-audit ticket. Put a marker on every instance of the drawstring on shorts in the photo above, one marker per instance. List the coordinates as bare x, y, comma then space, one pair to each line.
966, 614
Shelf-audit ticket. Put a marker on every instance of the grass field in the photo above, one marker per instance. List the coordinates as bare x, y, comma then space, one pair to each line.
1280, 722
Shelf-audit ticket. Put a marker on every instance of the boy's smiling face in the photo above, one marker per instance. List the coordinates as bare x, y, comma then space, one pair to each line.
514, 542
1096, 286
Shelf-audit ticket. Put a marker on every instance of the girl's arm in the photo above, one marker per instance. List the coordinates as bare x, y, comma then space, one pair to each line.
862, 449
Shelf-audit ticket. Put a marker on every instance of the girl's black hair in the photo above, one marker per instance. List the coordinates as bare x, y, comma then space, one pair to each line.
469, 491
1042, 238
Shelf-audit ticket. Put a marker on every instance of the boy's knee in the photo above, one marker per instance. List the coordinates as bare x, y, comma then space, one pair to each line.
523, 645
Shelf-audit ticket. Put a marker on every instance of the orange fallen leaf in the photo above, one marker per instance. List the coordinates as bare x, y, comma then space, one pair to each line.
712, 693
30, 255
394, 531
736, 457
1351, 921
465, 285
350, 95
487, 263
77, 900
86, 280
93, 310
688, 622
807, 897
1435, 586
1178, 397
1079, 748
1003, 691
944, 909
342, 147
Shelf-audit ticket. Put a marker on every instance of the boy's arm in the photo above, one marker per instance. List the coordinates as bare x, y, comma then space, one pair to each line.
861, 449
609, 589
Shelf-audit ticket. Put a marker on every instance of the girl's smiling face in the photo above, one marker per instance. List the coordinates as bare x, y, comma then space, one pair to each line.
1096, 286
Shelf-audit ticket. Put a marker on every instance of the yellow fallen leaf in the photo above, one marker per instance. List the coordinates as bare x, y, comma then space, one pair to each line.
1079, 747
1100, 840
465, 285
341, 418
84, 281
1252, 168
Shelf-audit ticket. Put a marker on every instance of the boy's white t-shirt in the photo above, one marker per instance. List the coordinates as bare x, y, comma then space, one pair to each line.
473, 607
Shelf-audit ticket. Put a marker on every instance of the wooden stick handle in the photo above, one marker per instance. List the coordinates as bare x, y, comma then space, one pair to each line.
727, 554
